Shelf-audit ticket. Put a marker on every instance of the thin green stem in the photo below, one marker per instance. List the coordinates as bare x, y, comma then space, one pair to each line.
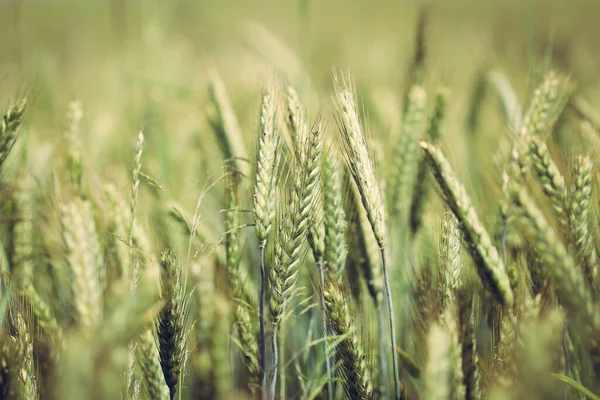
388, 293
273, 383
324, 320
261, 319
281, 360
382, 354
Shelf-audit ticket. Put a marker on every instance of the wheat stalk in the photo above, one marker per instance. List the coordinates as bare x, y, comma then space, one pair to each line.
135, 189
241, 314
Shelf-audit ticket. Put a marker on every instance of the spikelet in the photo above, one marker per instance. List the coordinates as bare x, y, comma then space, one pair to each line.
485, 256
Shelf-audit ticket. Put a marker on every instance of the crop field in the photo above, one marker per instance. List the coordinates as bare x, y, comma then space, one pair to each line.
299, 200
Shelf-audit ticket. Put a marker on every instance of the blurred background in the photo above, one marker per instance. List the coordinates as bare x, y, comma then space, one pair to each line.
136, 64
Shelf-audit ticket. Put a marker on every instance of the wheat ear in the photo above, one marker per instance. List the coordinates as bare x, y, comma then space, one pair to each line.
536, 121
171, 320
149, 361
294, 224
335, 218
570, 284
10, 123
579, 218
84, 259
363, 172
316, 233
406, 153
353, 369
264, 208
485, 256
23, 231
421, 187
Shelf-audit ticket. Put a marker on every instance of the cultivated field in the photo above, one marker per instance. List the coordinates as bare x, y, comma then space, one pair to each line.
299, 200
